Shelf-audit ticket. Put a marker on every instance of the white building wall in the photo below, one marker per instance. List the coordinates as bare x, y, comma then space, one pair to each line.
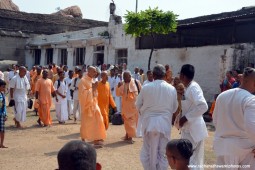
211, 62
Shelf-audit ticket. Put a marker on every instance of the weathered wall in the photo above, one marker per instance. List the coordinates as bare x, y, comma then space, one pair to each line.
12, 48
211, 62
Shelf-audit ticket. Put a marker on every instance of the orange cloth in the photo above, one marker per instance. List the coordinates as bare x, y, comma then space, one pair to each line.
45, 88
55, 78
212, 108
34, 79
92, 124
129, 92
104, 100
169, 75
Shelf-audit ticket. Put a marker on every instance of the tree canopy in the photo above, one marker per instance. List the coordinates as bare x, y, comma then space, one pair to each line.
150, 21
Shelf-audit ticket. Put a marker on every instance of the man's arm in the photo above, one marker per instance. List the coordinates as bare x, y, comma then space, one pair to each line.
249, 118
200, 102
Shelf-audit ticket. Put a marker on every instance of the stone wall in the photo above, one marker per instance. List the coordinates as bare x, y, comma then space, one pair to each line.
13, 48
43, 23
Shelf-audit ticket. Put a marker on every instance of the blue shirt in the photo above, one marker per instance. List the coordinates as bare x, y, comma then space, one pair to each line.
235, 85
2, 105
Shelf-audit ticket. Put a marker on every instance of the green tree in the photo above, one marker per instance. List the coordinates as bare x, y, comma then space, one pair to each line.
150, 22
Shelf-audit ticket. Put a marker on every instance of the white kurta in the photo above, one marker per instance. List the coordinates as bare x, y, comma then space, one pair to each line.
193, 107
68, 82
76, 105
61, 104
234, 120
20, 86
114, 81
156, 103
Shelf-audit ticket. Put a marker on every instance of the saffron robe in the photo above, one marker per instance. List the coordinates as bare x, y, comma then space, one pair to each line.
92, 124
129, 92
104, 100
45, 88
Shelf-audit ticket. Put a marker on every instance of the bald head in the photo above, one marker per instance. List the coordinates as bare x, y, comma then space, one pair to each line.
104, 76
92, 71
127, 76
22, 71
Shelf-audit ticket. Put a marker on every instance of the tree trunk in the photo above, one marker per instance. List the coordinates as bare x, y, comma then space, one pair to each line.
152, 49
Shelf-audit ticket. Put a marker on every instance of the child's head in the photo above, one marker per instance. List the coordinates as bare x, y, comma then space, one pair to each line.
178, 152
2, 85
78, 155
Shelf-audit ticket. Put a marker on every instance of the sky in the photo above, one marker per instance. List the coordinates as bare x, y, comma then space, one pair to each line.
99, 9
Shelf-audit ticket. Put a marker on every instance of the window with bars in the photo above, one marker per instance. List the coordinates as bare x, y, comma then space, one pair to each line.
80, 56
63, 56
49, 56
37, 56
121, 56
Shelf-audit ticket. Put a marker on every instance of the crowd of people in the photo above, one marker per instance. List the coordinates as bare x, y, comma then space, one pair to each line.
150, 106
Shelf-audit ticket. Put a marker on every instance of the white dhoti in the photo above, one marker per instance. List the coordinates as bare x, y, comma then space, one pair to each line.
76, 109
61, 111
70, 107
20, 110
198, 150
233, 162
139, 126
153, 151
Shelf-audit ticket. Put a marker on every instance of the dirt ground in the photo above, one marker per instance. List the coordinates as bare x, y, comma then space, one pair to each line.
36, 148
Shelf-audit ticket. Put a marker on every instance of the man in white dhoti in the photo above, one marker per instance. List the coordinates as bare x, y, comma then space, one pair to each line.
68, 81
234, 120
191, 122
74, 87
156, 102
61, 101
114, 80
19, 86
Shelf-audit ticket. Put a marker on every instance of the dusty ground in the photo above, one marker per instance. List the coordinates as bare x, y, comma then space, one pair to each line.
36, 148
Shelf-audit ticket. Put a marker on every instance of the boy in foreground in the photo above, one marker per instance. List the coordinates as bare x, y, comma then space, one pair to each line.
3, 114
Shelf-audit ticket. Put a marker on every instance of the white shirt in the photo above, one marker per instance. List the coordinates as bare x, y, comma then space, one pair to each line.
137, 76
28, 75
66, 74
68, 94
74, 86
62, 90
11, 74
193, 107
113, 81
157, 102
146, 82
19, 95
234, 120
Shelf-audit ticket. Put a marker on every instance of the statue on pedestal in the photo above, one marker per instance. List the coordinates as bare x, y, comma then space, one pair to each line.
113, 17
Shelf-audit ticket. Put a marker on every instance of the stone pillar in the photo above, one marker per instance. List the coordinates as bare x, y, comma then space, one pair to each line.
43, 56
70, 58
55, 56
89, 56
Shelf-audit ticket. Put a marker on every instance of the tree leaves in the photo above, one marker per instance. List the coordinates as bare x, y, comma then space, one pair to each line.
150, 21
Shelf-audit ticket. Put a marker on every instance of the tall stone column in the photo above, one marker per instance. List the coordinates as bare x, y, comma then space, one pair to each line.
70, 58
56, 55
43, 57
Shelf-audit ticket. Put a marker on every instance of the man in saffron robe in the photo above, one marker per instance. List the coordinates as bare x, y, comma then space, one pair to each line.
129, 91
105, 98
92, 124
44, 89
36, 77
